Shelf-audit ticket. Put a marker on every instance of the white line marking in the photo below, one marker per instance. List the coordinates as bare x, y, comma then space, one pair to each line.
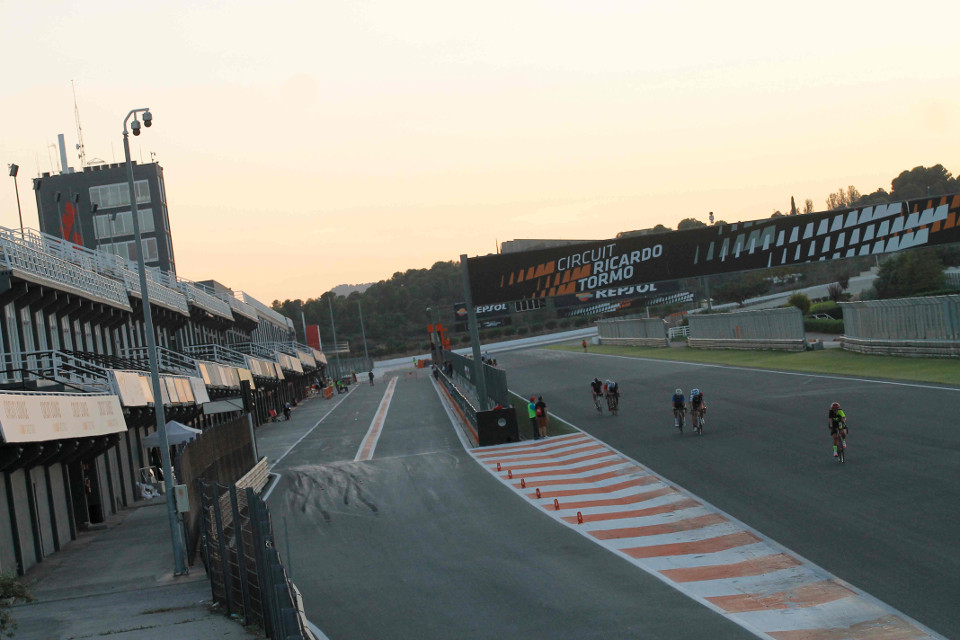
369, 444
309, 431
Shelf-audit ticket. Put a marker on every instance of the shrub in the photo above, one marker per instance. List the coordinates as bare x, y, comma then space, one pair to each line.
823, 307
581, 322
509, 331
536, 328
550, 324
11, 589
522, 331
800, 301
565, 323
816, 325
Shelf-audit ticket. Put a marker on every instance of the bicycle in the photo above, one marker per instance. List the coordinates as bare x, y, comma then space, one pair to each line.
841, 450
679, 415
699, 419
596, 403
613, 402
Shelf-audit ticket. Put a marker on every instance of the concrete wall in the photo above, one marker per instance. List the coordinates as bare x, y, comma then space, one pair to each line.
650, 332
764, 329
914, 327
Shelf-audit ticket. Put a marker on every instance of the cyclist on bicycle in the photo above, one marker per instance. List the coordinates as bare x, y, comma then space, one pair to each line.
679, 406
597, 387
613, 395
698, 406
837, 420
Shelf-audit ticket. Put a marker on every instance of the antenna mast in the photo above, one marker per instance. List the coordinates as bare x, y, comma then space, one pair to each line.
81, 152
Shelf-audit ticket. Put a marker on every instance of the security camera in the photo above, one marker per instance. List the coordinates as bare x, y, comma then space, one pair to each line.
147, 118
135, 127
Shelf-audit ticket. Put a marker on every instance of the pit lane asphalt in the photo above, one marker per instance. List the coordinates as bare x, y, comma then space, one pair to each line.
421, 542
886, 521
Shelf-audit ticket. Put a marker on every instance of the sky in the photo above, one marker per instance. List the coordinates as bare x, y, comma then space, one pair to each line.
316, 143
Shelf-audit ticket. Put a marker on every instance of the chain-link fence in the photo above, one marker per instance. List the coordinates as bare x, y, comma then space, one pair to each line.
243, 564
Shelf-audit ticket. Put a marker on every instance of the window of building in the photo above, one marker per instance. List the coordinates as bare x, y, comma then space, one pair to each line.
115, 225
107, 196
150, 250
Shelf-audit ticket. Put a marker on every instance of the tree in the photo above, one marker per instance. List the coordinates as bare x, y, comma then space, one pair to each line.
777, 214
808, 206
690, 223
835, 291
800, 301
742, 289
922, 181
793, 206
909, 273
843, 199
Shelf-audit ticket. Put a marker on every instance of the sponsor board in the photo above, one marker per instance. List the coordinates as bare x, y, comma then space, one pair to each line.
773, 242
483, 311
37, 417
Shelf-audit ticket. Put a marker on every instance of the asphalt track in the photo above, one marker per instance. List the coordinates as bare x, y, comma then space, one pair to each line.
886, 521
422, 542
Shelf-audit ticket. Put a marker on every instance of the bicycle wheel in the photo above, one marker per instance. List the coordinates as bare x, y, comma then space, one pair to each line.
841, 455
681, 421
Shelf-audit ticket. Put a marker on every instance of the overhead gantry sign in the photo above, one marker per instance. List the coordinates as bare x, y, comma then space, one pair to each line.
611, 268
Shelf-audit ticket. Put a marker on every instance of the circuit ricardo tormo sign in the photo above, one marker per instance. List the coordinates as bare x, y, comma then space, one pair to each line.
633, 263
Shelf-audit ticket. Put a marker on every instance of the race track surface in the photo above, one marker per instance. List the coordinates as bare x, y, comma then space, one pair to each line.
420, 541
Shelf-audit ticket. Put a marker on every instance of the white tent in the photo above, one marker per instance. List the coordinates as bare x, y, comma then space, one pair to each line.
176, 434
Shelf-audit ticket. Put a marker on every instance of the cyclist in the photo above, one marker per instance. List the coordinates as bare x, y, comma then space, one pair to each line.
837, 420
597, 388
613, 396
698, 407
679, 406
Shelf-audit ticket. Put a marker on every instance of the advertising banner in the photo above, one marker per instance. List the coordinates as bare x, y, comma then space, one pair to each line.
607, 265
483, 311
37, 417
313, 337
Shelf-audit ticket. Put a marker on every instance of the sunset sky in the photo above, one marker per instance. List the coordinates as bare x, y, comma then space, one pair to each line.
310, 144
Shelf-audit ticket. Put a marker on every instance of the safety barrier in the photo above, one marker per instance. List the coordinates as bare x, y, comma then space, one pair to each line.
779, 329
915, 327
646, 332
246, 574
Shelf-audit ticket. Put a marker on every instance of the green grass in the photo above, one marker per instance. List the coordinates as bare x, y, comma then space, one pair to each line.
554, 427
828, 361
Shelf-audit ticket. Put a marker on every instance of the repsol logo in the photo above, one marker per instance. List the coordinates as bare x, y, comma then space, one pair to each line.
492, 308
625, 291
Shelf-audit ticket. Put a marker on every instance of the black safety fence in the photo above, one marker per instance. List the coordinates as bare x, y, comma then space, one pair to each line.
496, 379
495, 426
240, 553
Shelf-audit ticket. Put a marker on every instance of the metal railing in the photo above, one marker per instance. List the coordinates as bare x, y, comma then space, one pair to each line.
60, 366
676, 332
27, 255
217, 353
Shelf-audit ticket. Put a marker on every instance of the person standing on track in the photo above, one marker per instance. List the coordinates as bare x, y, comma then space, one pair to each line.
532, 412
541, 409
584, 346
837, 420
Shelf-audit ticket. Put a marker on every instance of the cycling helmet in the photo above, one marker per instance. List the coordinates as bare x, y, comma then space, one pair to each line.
835, 405
694, 392
679, 391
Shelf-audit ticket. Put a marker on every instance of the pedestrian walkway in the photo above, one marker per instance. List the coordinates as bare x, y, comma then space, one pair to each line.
118, 581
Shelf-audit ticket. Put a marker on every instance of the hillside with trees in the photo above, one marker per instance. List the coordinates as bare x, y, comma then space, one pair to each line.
397, 311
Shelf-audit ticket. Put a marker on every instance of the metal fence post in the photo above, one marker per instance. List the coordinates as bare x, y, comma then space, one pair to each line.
224, 563
260, 556
241, 560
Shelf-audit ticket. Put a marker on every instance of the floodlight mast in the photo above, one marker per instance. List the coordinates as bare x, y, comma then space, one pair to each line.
177, 542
